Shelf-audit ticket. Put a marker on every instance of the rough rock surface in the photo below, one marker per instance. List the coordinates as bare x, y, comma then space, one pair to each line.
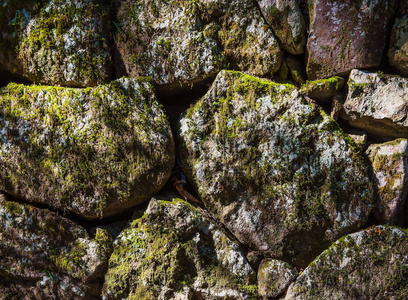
287, 22
390, 166
94, 151
370, 264
274, 277
377, 103
183, 42
59, 42
398, 51
346, 34
323, 90
46, 256
277, 171
173, 252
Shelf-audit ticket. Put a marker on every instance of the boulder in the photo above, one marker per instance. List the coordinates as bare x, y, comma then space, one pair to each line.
46, 256
180, 43
390, 166
323, 90
274, 168
398, 51
171, 251
287, 22
346, 34
94, 152
377, 103
274, 277
59, 42
370, 264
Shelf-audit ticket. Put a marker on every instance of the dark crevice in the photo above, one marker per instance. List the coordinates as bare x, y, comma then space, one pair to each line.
7, 77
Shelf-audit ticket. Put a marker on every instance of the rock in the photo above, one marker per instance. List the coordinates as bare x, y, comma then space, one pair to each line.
181, 43
323, 90
398, 51
390, 165
296, 68
346, 35
171, 251
95, 151
274, 277
370, 264
287, 22
358, 136
337, 104
274, 168
59, 42
377, 103
46, 256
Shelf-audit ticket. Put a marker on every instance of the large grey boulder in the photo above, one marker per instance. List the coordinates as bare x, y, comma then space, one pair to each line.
390, 167
370, 264
180, 43
46, 256
274, 168
398, 51
171, 251
94, 151
346, 34
377, 103
59, 42
287, 22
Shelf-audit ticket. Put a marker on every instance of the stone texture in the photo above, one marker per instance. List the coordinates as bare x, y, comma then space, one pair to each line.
390, 167
296, 68
323, 90
46, 256
56, 42
287, 22
171, 251
94, 151
398, 51
180, 43
274, 168
274, 277
370, 264
377, 103
346, 34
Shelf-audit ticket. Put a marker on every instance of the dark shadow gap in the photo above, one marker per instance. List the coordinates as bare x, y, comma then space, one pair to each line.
7, 77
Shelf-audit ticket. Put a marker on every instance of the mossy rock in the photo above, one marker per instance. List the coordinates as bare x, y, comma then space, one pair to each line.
46, 256
171, 251
59, 42
274, 168
182, 43
94, 151
323, 90
370, 264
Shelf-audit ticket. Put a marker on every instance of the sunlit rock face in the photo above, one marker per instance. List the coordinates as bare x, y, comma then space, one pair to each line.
95, 152
274, 168
56, 42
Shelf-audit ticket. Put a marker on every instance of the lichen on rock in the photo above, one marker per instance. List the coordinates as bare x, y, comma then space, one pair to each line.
398, 51
274, 168
58, 42
46, 256
94, 151
172, 251
370, 264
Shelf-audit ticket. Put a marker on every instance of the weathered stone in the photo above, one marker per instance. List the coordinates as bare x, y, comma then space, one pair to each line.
390, 167
287, 22
56, 42
274, 277
346, 34
398, 51
359, 137
46, 256
370, 264
179, 43
173, 252
377, 103
323, 90
296, 69
94, 151
274, 168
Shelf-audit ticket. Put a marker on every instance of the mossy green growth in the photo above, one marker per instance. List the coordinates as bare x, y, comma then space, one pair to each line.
323, 89
84, 150
171, 247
